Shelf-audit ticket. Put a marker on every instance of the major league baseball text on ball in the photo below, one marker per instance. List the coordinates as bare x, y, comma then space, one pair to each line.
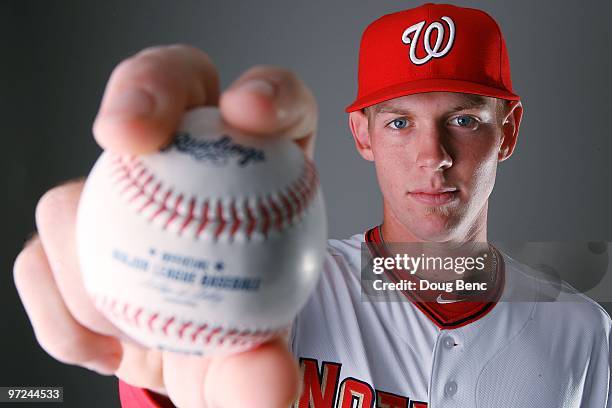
211, 245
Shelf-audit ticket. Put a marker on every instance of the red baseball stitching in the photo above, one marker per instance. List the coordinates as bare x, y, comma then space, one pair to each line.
263, 214
187, 331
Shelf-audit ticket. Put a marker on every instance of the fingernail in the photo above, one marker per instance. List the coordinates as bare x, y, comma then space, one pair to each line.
260, 86
133, 102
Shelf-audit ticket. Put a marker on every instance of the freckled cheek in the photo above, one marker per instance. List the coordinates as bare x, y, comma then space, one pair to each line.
392, 175
392, 150
392, 168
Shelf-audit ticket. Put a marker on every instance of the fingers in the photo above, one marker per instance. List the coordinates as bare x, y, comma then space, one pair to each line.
141, 367
233, 381
56, 217
184, 377
56, 330
147, 94
56, 222
271, 100
239, 380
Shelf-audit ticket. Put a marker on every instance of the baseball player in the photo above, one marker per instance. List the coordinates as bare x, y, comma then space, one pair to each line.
435, 113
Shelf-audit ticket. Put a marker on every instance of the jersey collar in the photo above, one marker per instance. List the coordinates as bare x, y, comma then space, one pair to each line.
444, 315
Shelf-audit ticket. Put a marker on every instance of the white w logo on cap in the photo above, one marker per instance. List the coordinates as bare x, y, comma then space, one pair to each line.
432, 52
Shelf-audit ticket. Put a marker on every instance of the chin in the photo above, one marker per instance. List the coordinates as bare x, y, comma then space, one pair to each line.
432, 229
434, 235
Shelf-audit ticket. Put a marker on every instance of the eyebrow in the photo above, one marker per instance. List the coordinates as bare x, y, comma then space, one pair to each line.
469, 102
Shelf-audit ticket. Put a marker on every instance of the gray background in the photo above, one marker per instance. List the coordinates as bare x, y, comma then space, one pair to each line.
57, 57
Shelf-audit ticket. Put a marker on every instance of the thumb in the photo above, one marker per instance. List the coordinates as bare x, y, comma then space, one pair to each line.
265, 377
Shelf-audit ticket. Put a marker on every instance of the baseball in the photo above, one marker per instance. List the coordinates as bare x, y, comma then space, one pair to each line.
211, 245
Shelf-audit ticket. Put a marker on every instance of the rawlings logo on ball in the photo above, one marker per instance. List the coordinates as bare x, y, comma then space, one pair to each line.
216, 151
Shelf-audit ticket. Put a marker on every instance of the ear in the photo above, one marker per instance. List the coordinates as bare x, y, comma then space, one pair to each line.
358, 122
510, 129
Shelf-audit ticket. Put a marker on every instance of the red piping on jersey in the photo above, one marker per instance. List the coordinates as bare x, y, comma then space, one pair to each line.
449, 316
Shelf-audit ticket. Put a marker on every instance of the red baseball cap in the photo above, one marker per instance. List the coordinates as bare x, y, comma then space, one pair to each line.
434, 47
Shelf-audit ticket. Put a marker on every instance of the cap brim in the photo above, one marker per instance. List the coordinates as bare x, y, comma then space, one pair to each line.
429, 85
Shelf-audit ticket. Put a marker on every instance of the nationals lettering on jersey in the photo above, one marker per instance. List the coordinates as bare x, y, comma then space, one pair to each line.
322, 389
533, 346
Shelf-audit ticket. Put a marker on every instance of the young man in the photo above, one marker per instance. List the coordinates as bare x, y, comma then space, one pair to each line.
436, 113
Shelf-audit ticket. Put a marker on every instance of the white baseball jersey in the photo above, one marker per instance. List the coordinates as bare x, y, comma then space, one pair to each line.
539, 352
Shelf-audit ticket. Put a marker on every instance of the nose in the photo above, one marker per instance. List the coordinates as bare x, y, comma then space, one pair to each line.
431, 150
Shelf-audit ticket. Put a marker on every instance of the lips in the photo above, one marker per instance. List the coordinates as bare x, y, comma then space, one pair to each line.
439, 196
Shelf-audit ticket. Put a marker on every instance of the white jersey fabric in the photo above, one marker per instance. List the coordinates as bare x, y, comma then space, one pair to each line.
533, 353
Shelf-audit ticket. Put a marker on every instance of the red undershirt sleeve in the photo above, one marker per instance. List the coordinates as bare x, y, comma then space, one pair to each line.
134, 397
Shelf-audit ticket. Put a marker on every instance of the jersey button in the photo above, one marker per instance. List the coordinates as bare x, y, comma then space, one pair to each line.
450, 389
448, 342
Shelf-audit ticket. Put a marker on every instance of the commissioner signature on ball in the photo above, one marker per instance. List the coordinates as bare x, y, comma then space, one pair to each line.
217, 151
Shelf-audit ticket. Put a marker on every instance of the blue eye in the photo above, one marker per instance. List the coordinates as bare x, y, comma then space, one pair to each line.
465, 121
398, 124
